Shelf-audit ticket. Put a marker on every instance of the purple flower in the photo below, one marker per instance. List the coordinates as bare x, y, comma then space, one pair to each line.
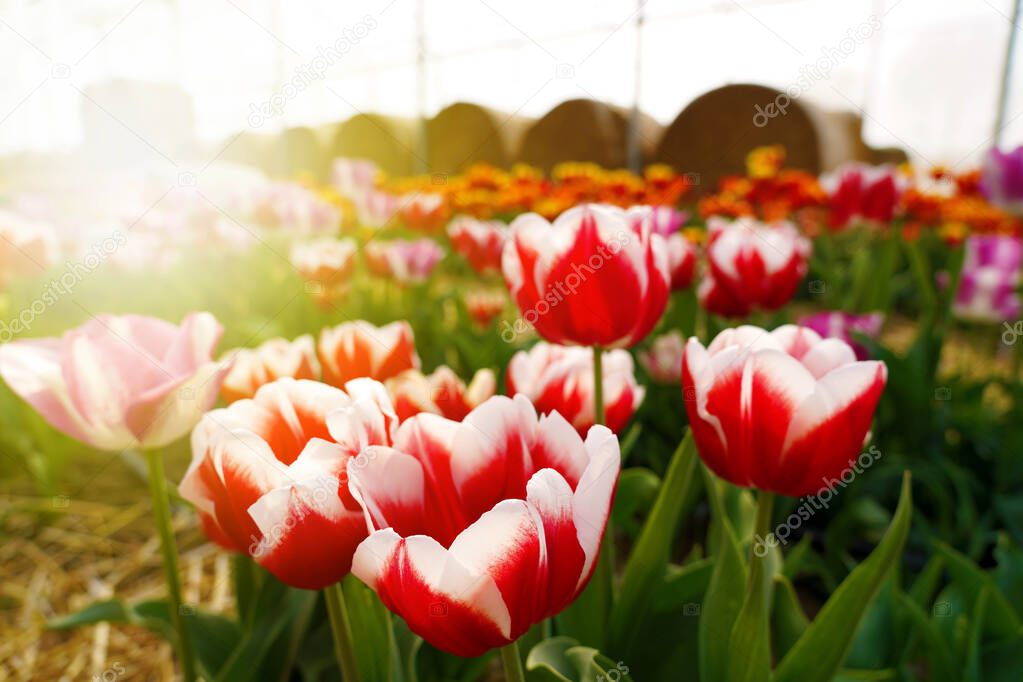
1002, 179
987, 288
836, 324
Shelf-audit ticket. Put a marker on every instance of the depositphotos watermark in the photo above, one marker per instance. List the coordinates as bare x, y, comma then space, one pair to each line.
310, 72
816, 71
811, 504
560, 290
74, 272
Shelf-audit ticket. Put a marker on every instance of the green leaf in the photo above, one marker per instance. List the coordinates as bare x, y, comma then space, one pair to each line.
724, 595
637, 490
547, 660
749, 645
972, 673
562, 659
372, 621
942, 664
213, 636
788, 622
644, 571
251, 658
1001, 618
684, 585
819, 653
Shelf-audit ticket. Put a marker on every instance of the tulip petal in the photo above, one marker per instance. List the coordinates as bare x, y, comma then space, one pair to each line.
389, 486
440, 600
554, 500
829, 427
490, 458
32, 369
594, 494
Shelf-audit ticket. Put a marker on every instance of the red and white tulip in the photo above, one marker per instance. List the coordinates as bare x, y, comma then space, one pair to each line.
752, 266
857, 191
479, 241
595, 277
358, 349
681, 261
560, 379
269, 475
272, 360
484, 527
440, 393
784, 411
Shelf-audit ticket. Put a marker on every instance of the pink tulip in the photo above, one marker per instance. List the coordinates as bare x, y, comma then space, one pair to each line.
837, 324
403, 260
663, 359
120, 382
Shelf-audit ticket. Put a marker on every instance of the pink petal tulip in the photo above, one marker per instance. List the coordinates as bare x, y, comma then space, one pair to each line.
484, 527
837, 324
663, 359
783, 411
120, 382
990, 278
560, 379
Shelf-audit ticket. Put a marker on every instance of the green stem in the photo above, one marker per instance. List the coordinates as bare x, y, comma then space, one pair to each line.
761, 532
342, 629
606, 560
512, 663
161, 510
243, 571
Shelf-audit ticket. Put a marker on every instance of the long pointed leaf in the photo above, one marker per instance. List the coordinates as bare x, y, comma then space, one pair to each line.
819, 653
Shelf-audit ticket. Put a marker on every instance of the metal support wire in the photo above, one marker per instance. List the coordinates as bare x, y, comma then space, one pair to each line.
1003, 89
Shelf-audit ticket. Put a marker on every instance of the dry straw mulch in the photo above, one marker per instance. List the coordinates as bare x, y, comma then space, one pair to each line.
60, 554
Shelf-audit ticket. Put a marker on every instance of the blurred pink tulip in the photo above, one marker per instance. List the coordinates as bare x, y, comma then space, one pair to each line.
120, 382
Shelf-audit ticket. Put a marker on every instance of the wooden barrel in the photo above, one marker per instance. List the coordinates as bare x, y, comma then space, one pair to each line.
299, 150
585, 130
462, 134
711, 137
390, 141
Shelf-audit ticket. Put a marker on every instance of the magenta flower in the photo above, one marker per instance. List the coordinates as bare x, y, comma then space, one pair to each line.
987, 289
836, 324
1002, 179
